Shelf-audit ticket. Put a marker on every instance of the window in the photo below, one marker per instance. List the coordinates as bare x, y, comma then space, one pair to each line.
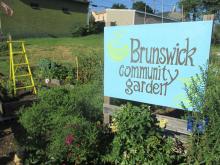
35, 5
113, 23
66, 10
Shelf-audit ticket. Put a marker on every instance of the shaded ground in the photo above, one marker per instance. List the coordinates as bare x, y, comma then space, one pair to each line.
9, 132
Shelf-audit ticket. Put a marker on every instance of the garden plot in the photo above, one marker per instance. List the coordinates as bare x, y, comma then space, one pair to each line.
65, 125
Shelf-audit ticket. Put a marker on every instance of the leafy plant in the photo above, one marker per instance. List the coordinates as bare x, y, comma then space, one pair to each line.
204, 96
61, 127
92, 28
118, 6
138, 139
216, 35
90, 68
50, 69
6, 88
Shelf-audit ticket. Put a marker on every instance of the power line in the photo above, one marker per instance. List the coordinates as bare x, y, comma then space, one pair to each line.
156, 6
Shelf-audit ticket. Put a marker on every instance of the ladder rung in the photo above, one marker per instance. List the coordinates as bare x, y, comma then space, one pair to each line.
20, 64
18, 52
15, 41
31, 86
24, 75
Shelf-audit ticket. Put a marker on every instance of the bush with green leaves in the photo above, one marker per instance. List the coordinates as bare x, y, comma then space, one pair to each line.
6, 90
204, 97
50, 69
92, 28
63, 126
90, 68
216, 35
139, 140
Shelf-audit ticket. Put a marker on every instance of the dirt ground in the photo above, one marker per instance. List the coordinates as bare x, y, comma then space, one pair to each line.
10, 131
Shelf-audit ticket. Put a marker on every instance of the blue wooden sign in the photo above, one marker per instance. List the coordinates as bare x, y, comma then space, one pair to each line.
151, 63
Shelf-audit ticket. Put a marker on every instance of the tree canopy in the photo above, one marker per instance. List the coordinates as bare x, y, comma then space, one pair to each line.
118, 6
140, 5
199, 7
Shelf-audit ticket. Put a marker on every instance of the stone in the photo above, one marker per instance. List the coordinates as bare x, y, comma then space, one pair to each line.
55, 82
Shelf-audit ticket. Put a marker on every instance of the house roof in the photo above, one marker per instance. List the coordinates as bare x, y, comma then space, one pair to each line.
155, 15
150, 14
100, 12
172, 15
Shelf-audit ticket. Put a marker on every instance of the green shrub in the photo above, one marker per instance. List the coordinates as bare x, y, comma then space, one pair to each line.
6, 90
90, 68
204, 96
138, 140
216, 35
61, 127
50, 69
92, 28
88, 100
74, 141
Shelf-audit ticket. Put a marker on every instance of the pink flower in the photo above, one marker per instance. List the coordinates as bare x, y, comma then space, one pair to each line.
69, 139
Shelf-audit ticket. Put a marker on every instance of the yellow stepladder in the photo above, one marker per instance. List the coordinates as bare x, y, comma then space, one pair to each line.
20, 62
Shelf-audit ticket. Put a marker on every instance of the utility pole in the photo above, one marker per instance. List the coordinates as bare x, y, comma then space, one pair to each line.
145, 12
89, 12
182, 13
162, 10
154, 6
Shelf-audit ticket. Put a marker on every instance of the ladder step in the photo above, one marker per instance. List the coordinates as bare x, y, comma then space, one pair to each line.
15, 41
20, 64
23, 75
18, 52
31, 86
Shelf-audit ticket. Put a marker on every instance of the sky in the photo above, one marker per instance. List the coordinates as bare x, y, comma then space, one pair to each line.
155, 4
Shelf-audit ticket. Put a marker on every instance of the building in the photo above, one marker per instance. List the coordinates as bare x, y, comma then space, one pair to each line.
44, 18
113, 17
207, 17
99, 16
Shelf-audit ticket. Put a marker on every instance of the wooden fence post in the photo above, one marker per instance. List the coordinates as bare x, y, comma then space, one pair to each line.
1, 109
77, 68
106, 115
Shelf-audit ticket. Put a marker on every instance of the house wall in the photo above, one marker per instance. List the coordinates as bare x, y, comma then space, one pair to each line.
120, 17
99, 17
48, 20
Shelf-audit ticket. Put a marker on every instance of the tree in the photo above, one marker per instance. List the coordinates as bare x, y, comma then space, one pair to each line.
191, 7
212, 7
118, 6
197, 7
139, 5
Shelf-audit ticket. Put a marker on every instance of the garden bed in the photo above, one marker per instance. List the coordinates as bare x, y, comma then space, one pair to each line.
65, 124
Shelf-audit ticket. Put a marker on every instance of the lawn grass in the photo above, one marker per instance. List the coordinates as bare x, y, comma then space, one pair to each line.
47, 21
61, 50
64, 50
